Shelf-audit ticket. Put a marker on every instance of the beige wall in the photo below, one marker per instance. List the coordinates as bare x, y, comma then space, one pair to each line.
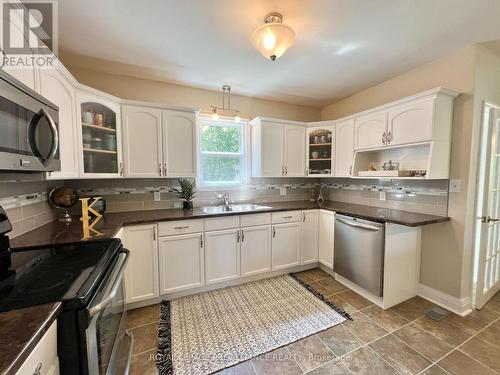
442, 244
115, 79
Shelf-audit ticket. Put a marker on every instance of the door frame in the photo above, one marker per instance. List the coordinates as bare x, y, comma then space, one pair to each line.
477, 274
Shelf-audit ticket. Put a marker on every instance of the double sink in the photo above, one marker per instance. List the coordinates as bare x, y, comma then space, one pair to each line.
233, 208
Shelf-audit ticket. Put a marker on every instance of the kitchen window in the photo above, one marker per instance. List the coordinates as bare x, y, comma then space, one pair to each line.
222, 159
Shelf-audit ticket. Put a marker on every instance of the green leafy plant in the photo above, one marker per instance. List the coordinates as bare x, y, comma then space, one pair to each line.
187, 189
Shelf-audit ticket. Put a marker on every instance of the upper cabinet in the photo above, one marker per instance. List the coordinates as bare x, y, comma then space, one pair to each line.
370, 130
158, 142
344, 147
99, 123
59, 87
320, 150
410, 123
278, 148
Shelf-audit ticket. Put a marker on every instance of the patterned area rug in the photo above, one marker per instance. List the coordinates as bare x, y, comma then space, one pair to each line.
210, 331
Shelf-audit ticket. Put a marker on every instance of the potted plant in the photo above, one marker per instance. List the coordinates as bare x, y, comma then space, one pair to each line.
186, 191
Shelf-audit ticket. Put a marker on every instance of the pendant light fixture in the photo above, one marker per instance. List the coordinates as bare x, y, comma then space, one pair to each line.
274, 37
226, 105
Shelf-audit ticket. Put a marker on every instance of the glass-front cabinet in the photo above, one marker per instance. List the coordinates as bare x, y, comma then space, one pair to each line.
320, 155
100, 138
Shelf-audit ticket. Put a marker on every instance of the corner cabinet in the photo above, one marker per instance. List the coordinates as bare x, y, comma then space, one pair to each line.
320, 150
278, 148
99, 134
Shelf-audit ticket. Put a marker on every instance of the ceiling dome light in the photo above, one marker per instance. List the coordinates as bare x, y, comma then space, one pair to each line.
273, 38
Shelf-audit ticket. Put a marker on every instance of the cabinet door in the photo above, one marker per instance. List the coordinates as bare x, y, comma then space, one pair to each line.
222, 255
255, 250
411, 123
344, 147
320, 151
310, 223
326, 238
294, 150
181, 262
179, 143
286, 245
369, 130
141, 274
142, 155
272, 139
99, 124
60, 91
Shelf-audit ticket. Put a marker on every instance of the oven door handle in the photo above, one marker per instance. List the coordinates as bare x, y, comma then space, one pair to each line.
130, 337
124, 257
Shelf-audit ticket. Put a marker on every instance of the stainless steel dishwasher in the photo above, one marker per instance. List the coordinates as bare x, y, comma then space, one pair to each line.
359, 252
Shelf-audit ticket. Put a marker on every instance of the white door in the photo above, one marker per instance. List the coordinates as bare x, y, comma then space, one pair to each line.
181, 262
370, 130
344, 148
294, 150
310, 224
255, 250
272, 139
487, 253
285, 246
60, 91
141, 274
179, 144
142, 142
222, 255
326, 238
411, 123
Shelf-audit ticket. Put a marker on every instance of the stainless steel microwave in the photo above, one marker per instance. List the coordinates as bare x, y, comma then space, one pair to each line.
29, 136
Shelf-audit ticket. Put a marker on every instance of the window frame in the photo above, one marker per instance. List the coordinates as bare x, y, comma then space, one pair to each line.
244, 154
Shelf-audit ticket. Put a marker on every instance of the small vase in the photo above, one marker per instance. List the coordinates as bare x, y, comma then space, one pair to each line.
187, 206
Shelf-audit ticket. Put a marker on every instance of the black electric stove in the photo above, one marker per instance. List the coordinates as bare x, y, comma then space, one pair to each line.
87, 277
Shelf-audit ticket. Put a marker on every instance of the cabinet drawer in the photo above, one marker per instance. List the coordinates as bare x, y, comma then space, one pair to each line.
255, 219
286, 217
169, 228
219, 223
44, 356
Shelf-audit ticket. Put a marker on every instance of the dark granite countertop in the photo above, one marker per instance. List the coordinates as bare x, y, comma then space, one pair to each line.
57, 232
20, 332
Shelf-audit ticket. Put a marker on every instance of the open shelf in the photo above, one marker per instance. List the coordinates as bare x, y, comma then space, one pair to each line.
102, 128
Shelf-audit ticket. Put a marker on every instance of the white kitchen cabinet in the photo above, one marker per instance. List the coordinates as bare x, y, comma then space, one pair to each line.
278, 148
59, 87
142, 141
181, 262
43, 358
344, 148
320, 149
411, 122
99, 134
294, 150
310, 243
179, 143
255, 250
285, 245
222, 255
141, 274
326, 237
370, 130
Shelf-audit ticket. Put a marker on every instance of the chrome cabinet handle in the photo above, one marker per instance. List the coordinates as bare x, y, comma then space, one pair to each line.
238, 236
154, 234
286, 170
165, 169
282, 170
160, 170
389, 137
274, 232
242, 236
121, 169
201, 240
125, 255
287, 217
303, 217
383, 138
350, 170
489, 219
38, 369
183, 227
130, 337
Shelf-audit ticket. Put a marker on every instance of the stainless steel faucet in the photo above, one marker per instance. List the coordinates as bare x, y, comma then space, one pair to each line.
223, 196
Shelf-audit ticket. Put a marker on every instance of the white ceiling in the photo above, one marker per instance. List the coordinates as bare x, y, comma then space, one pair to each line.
342, 46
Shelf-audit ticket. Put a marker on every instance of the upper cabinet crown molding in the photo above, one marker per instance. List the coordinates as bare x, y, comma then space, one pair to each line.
141, 103
277, 121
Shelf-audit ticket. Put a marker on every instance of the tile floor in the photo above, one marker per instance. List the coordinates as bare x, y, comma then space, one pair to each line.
398, 340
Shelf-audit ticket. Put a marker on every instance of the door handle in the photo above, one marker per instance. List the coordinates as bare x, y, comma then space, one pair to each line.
359, 225
130, 338
489, 219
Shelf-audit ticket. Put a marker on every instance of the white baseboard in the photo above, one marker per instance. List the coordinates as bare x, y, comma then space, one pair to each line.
460, 306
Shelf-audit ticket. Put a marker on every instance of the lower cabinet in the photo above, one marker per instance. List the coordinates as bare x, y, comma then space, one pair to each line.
222, 255
181, 262
285, 245
141, 275
326, 233
310, 243
255, 250
43, 358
